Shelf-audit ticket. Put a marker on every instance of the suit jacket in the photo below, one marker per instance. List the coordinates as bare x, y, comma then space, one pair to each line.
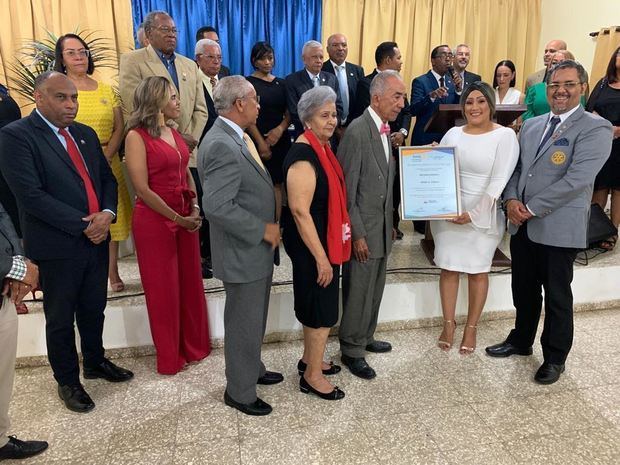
210, 110
556, 184
299, 82
142, 63
49, 191
423, 108
534, 78
369, 177
9, 243
355, 74
238, 201
469, 78
402, 121
224, 71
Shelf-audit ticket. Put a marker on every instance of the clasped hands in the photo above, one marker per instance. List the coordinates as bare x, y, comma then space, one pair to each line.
98, 226
517, 212
17, 290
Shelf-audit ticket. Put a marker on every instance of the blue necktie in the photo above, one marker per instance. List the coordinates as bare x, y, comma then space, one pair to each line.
341, 74
552, 125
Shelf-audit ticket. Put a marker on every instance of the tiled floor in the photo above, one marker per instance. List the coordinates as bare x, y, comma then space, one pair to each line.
424, 407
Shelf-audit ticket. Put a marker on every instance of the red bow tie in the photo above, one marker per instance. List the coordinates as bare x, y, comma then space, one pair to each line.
384, 129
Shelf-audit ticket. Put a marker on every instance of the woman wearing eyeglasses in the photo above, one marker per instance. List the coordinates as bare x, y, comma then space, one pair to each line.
99, 108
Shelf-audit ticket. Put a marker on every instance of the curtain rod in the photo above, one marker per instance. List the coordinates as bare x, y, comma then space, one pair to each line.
605, 31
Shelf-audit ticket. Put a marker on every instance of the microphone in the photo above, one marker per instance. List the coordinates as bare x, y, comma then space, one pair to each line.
454, 75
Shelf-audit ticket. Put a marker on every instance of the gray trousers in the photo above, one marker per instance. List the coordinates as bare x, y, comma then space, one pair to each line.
245, 319
362, 290
8, 351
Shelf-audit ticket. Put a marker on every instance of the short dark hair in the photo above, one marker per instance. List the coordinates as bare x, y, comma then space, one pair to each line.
201, 32
569, 64
486, 91
59, 64
150, 19
384, 51
610, 74
511, 66
44, 76
259, 50
435, 51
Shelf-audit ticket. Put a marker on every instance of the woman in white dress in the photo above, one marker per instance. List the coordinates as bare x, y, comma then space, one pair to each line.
487, 154
504, 79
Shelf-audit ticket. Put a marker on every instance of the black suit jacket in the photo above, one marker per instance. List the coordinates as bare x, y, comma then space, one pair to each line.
49, 191
355, 74
210, 110
9, 243
299, 82
469, 78
402, 121
224, 71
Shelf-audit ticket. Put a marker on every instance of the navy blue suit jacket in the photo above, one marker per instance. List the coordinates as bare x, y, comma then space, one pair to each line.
355, 74
49, 191
423, 108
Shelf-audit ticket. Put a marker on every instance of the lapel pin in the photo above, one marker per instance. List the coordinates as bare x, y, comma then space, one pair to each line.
351, 74
323, 79
82, 142
185, 76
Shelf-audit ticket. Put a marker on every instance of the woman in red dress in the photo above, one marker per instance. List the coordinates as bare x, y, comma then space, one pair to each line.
166, 221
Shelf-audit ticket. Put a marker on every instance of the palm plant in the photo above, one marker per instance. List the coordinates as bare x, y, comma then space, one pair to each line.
37, 56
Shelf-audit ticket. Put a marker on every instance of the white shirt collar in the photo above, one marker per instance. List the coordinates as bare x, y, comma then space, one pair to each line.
438, 76
376, 118
344, 63
233, 125
312, 76
48, 122
563, 116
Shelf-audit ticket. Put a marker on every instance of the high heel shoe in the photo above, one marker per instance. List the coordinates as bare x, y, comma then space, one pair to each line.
464, 350
335, 394
332, 370
446, 345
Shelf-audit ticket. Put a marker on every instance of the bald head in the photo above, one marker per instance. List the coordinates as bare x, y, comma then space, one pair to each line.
56, 98
337, 48
552, 47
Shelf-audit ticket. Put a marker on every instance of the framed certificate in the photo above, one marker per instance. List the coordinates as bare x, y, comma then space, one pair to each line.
429, 183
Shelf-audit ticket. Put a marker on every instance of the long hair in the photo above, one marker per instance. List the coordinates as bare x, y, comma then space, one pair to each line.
610, 74
151, 96
511, 66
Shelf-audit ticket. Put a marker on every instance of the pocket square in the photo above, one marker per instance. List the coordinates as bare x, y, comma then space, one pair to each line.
563, 141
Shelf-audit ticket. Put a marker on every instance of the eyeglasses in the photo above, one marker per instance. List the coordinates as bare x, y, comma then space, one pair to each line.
76, 53
570, 85
444, 55
256, 98
167, 30
213, 57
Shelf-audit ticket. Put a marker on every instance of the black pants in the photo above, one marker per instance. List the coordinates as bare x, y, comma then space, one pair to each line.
74, 289
536, 267
205, 237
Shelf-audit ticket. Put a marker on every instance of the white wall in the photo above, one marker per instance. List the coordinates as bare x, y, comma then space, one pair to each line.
572, 21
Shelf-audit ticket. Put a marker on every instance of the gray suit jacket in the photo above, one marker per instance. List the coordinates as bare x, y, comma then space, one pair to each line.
238, 200
556, 184
9, 243
369, 178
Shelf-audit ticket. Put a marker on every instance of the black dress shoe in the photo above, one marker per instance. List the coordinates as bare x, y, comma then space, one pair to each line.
207, 272
108, 371
256, 408
76, 398
335, 394
379, 347
16, 449
548, 373
506, 349
270, 377
332, 370
358, 366
399, 234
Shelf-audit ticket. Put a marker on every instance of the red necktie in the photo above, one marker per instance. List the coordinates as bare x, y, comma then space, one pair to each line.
78, 162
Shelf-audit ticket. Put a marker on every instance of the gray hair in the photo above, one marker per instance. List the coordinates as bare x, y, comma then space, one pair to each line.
310, 44
379, 84
569, 64
202, 44
459, 46
150, 19
228, 90
312, 100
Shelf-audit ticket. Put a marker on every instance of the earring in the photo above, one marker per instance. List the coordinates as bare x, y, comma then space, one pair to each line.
161, 120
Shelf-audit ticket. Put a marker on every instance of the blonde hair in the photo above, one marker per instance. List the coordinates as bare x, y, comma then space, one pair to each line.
149, 99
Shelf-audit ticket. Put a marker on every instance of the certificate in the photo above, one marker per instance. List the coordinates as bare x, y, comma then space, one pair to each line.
429, 183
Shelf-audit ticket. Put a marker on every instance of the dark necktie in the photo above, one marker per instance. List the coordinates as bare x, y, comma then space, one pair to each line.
552, 125
213, 82
78, 162
442, 82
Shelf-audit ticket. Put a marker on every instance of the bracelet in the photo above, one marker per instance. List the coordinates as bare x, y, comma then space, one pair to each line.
196, 206
174, 220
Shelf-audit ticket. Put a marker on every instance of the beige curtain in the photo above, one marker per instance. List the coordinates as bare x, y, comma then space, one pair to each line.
30, 19
607, 42
494, 29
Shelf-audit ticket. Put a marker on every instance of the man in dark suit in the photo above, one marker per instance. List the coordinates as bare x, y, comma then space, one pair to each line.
209, 32
311, 76
388, 57
239, 202
462, 55
548, 204
66, 194
347, 74
19, 276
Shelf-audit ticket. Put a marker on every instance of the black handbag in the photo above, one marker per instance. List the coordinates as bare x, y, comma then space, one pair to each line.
600, 226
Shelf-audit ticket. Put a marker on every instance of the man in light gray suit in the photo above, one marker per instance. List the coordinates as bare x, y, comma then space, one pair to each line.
548, 202
366, 158
239, 202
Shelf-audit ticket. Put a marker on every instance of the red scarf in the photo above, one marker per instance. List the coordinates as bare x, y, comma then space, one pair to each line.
338, 222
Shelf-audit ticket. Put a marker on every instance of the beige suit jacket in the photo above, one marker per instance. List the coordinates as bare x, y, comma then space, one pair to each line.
534, 78
139, 64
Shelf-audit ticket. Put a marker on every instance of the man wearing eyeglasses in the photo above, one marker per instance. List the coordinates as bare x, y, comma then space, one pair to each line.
548, 204
209, 32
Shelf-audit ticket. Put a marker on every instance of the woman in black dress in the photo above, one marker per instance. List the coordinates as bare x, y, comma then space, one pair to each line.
605, 101
270, 132
316, 235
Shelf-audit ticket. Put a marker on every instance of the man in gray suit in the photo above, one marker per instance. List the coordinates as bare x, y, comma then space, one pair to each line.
239, 202
19, 277
548, 202
366, 158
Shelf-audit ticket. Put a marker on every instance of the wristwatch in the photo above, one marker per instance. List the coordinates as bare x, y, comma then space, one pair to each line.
404, 132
